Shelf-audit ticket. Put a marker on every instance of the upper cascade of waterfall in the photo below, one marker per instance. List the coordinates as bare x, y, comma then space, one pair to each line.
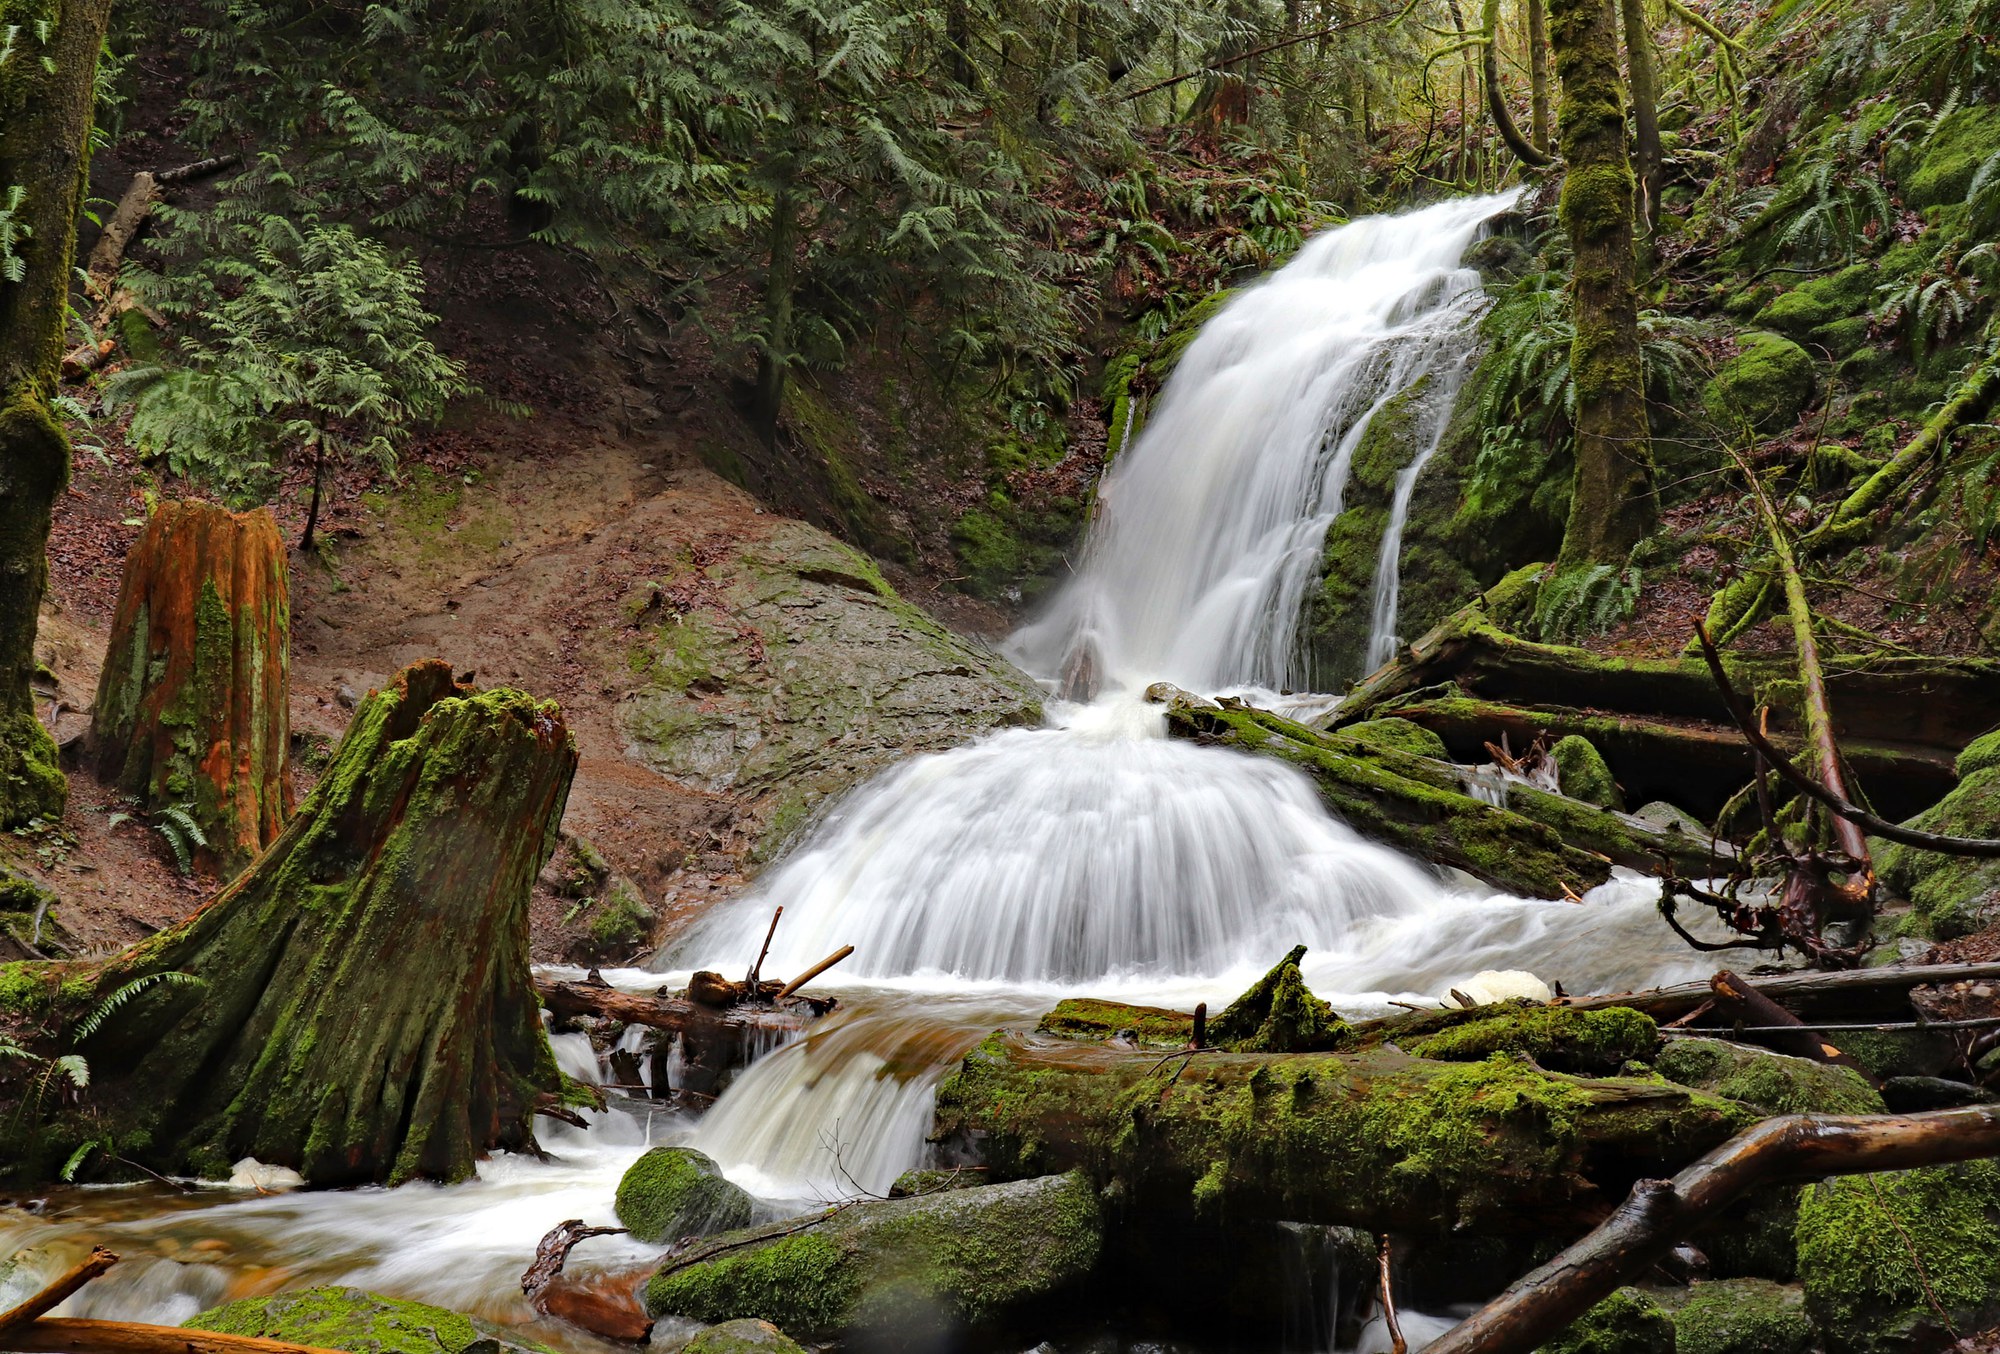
1210, 525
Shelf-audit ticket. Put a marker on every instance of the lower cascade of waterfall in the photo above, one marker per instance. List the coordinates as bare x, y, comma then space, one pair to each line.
1092, 856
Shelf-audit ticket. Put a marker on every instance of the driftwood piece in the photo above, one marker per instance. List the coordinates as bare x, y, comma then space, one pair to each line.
604, 1308
675, 1015
1738, 1001
79, 1274
1658, 1213
822, 966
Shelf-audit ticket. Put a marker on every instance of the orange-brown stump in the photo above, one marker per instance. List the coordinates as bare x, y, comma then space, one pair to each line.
358, 1005
193, 706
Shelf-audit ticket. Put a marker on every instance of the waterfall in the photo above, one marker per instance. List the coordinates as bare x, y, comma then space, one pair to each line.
1211, 522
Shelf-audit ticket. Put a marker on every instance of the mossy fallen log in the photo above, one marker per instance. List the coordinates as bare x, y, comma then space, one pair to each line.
1692, 763
193, 704
358, 1005
1541, 845
1376, 1139
1916, 704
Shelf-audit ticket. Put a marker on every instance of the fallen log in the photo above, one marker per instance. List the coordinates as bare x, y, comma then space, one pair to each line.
1541, 845
52, 1295
72, 1335
1321, 1137
1908, 702
715, 1040
1659, 1213
1853, 994
1748, 1009
1693, 763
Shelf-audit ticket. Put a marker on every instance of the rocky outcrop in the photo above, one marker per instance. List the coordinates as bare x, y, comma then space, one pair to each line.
793, 669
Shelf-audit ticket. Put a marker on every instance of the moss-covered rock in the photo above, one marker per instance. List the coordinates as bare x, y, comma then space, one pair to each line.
672, 1192
933, 1180
1627, 1322
620, 922
1951, 155
1952, 896
1773, 1082
961, 1256
1881, 1254
1765, 387
1090, 1018
802, 673
744, 1336
362, 1323
1561, 1038
1581, 773
1742, 1316
1401, 735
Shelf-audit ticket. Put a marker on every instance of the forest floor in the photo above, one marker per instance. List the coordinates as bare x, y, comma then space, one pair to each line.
504, 545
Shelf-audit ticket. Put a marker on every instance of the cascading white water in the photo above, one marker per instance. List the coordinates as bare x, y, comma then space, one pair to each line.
1211, 523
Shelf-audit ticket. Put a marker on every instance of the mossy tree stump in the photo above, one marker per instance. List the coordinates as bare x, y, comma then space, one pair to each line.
364, 1009
193, 705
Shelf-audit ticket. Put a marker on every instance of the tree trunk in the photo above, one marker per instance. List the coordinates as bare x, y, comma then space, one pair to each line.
1611, 500
780, 284
1524, 150
1644, 65
363, 1009
193, 705
1538, 74
318, 485
1322, 1137
46, 96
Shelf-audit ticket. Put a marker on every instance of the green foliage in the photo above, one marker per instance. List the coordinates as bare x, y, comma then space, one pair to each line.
177, 827
1585, 600
101, 1013
307, 339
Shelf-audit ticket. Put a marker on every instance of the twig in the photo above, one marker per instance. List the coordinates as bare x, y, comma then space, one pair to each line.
1397, 1344
757, 969
814, 972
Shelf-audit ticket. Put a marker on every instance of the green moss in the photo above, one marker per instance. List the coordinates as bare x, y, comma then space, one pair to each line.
360, 1322
1341, 606
1981, 754
672, 1192
1953, 152
1951, 895
1877, 1251
746, 1336
1843, 295
1090, 1018
1278, 1015
1627, 1322
1581, 773
1773, 1082
621, 922
1400, 734
958, 1256
1561, 1038
1765, 387
1742, 1316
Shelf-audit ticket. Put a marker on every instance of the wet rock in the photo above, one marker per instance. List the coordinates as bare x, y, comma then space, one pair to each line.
929, 1263
363, 1323
914, 1183
1090, 1018
1776, 1083
1912, 1095
793, 670
1581, 773
1664, 817
1742, 1316
1887, 1260
673, 1192
745, 1336
1952, 896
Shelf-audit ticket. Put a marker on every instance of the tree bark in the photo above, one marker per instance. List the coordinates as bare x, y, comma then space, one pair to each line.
1526, 151
193, 705
362, 1008
780, 287
1538, 73
1611, 500
46, 95
1643, 62
1661, 1212
1321, 1137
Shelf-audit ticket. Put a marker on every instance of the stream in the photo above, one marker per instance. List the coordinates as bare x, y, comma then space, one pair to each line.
1092, 856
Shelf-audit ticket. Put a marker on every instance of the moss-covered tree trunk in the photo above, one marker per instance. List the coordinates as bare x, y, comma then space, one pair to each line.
1611, 500
1538, 74
193, 704
46, 92
1643, 62
363, 1009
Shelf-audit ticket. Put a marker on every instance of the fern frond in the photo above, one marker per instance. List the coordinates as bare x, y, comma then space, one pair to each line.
110, 1006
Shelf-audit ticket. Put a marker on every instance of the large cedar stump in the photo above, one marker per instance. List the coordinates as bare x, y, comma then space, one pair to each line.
193, 705
364, 1009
